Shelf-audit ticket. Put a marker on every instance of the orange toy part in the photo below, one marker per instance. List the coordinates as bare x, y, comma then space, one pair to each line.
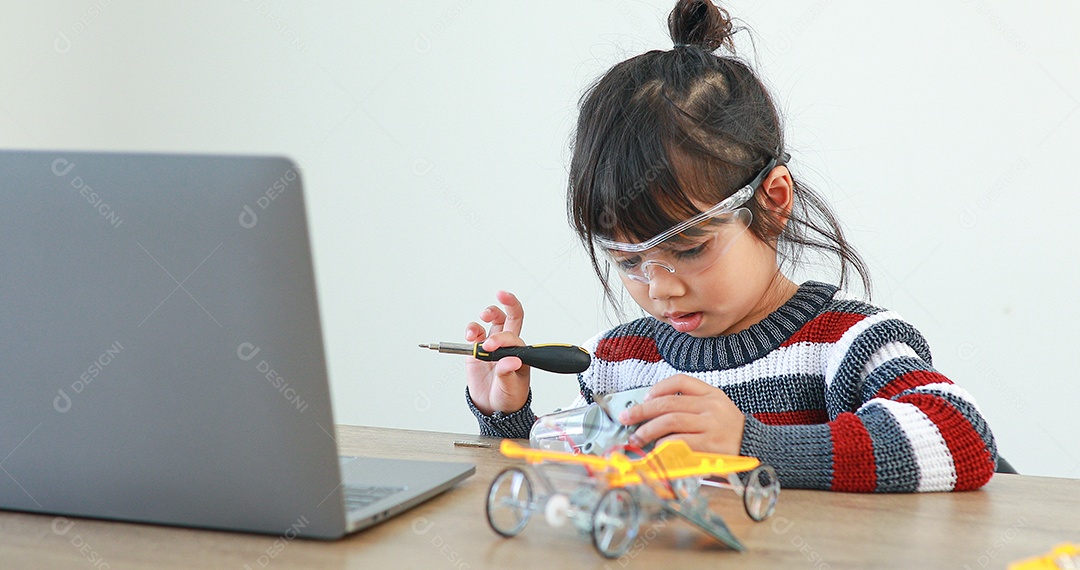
670, 460
1065, 555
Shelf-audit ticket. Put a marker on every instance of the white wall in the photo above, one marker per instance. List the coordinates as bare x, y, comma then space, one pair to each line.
434, 146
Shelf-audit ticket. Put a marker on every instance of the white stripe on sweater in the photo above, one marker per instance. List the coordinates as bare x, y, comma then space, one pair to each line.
804, 358
937, 472
627, 374
951, 389
886, 353
840, 348
842, 295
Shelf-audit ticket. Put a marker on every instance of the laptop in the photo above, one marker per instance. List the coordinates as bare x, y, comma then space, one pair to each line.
161, 356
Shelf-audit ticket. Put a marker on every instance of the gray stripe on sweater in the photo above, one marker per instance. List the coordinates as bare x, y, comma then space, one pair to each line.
891, 370
515, 426
894, 458
801, 455
854, 306
782, 393
844, 390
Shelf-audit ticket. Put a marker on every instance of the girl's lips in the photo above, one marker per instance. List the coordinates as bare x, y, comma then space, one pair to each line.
685, 322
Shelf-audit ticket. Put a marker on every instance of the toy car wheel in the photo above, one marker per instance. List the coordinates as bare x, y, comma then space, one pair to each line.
509, 503
760, 493
615, 523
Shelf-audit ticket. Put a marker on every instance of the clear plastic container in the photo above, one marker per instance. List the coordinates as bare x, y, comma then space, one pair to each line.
578, 430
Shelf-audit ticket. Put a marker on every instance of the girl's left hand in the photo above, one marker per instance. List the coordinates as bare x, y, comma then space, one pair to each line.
683, 407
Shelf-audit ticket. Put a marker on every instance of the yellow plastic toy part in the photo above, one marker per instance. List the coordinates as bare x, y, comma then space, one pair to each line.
1065, 555
670, 460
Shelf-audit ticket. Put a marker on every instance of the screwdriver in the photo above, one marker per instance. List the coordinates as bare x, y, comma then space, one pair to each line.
558, 358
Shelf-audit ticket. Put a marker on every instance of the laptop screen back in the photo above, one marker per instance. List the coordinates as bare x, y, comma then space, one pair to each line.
161, 357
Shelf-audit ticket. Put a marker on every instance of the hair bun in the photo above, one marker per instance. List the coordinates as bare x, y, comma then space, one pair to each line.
700, 23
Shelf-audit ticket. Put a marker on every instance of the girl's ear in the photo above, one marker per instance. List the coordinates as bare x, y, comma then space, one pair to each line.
778, 192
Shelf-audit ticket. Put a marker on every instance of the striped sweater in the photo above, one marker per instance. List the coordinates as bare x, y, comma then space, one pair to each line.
838, 394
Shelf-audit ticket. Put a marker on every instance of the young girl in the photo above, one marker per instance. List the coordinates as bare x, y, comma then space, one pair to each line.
679, 181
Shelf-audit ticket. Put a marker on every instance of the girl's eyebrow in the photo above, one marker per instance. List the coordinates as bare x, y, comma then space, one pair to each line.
698, 229
685, 238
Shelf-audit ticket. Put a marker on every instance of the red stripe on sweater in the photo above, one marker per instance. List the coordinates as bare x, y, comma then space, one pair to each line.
910, 380
972, 460
620, 348
797, 417
825, 328
854, 468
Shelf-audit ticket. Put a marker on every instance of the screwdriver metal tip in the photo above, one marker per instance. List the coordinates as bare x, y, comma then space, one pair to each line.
450, 347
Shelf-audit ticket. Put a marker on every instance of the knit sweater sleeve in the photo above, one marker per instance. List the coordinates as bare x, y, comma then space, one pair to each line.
895, 423
514, 425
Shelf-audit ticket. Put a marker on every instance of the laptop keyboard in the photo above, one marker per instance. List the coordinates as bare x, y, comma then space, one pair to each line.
360, 496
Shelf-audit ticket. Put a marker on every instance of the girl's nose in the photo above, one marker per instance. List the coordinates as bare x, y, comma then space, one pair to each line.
664, 282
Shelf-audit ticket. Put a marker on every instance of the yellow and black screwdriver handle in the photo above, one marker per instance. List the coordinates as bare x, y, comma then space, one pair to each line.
558, 358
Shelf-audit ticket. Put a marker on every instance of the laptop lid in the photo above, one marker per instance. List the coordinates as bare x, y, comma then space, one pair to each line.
161, 356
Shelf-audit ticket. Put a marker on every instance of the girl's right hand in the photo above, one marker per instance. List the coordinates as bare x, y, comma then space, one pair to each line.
502, 385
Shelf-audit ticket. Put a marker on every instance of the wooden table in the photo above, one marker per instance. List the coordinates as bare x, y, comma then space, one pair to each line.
1013, 517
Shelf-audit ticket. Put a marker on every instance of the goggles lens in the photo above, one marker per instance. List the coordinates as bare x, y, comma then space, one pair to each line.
689, 252
695, 244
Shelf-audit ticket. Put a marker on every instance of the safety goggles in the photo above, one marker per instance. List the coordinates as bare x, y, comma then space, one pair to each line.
691, 246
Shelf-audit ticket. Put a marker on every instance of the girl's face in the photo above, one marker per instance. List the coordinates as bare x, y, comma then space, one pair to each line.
737, 291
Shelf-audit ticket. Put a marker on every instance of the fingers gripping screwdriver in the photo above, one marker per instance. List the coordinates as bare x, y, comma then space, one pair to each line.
558, 358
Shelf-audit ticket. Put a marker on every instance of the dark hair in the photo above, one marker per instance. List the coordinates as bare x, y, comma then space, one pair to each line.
665, 128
